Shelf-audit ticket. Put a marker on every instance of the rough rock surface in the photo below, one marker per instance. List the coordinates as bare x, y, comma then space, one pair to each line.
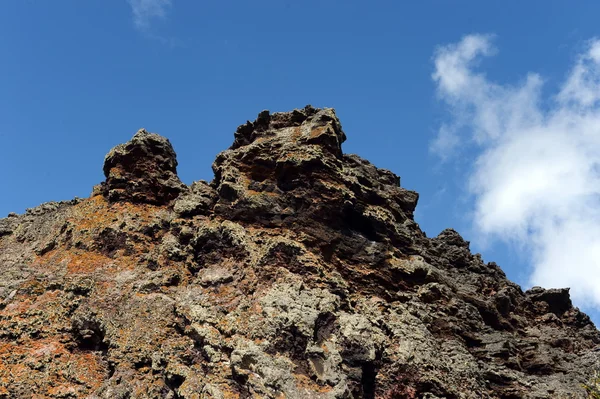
142, 170
298, 272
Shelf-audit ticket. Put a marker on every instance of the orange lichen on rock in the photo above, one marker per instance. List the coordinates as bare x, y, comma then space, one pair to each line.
33, 361
86, 262
306, 384
230, 394
76, 261
317, 131
296, 133
298, 272
96, 213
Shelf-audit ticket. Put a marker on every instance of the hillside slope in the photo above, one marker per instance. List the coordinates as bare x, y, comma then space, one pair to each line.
298, 272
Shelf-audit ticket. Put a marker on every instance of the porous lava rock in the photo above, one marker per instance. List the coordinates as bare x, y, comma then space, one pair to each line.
298, 272
142, 170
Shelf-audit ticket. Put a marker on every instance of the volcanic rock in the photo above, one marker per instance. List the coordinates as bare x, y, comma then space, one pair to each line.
298, 272
142, 170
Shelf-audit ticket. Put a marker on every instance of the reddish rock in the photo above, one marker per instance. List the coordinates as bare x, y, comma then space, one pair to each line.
142, 170
298, 272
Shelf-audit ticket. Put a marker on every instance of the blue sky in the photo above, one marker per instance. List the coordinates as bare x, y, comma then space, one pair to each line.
429, 90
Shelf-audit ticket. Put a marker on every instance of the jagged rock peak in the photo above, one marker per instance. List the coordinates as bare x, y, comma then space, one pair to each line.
142, 170
298, 272
288, 169
301, 126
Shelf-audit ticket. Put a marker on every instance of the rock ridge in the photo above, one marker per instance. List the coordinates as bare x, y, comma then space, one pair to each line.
297, 272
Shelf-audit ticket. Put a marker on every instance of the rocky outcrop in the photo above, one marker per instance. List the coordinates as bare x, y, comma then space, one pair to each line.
142, 170
298, 272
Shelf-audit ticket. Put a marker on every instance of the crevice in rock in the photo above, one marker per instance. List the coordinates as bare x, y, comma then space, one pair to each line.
112, 368
174, 382
368, 380
324, 326
90, 336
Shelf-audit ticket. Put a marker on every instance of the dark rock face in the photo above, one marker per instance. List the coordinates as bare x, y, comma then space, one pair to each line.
287, 170
142, 170
298, 272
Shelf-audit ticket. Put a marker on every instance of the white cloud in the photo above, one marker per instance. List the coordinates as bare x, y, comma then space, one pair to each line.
583, 85
536, 174
446, 142
144, 11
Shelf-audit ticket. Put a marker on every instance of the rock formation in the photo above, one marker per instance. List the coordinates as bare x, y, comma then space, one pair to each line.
298, 272
143, 170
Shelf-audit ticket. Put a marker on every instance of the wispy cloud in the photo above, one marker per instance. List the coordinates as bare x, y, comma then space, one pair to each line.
146, 11
535, 175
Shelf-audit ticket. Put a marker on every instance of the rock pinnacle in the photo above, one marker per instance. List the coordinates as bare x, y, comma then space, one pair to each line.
143, 170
